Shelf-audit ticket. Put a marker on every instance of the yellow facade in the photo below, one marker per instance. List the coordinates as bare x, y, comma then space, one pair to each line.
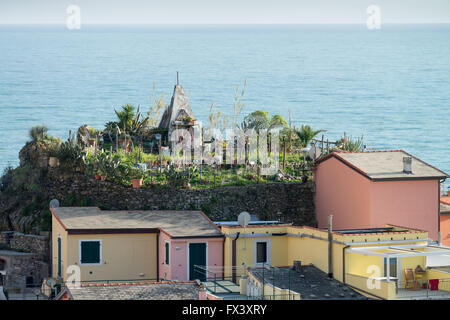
123, 256
310, 246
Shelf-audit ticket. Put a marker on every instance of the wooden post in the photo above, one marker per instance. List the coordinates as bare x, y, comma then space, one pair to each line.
321, 146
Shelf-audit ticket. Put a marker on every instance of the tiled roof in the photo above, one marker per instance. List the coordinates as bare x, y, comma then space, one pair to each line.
150, 291
386, 165
310, 282
175, 223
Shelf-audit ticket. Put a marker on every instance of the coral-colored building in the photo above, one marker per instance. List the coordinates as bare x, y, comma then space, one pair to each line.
373, 188
445, 219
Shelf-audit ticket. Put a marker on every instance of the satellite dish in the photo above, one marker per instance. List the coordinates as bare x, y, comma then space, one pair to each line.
244, 219
158, 136
51, 283
54, 203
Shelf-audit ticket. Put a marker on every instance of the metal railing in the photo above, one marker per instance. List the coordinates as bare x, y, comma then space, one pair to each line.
423, 289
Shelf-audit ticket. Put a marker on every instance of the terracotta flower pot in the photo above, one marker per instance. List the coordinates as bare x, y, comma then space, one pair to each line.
97, 177
102, 178
137, 183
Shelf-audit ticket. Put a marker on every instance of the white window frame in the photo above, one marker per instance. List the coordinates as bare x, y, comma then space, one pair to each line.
268, 251
79, 252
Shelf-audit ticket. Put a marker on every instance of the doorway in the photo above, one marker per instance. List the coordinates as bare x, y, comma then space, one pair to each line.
197, 257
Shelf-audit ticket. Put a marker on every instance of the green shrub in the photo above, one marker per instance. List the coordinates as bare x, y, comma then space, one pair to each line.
38, 133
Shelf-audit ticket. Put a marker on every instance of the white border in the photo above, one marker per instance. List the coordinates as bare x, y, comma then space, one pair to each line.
268, 251
188, 251
79, 252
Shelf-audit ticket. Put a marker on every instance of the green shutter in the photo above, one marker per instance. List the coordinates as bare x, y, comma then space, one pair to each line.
90, 252
167, 253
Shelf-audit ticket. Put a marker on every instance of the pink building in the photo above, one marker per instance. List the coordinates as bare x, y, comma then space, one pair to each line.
179, 253
373, 188
445, 219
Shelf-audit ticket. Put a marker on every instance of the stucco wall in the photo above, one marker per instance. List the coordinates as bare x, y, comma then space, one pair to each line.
124, 257
412, 203
342, 192
180, 261
357, 202
445, 229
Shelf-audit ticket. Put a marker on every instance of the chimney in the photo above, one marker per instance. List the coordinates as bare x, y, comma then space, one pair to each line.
407, 168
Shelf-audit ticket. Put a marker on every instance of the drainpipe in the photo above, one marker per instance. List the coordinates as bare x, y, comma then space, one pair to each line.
330, 246
343, 262
439, 212
157, 256
233, 262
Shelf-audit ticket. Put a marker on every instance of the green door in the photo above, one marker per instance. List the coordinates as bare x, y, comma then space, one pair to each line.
197, 257
59, 257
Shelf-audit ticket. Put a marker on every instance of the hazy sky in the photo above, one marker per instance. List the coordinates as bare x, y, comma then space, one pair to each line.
223, 11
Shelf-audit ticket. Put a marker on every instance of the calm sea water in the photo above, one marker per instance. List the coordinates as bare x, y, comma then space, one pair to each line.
391, 85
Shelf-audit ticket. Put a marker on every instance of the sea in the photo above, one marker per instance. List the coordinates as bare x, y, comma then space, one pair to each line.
389, 85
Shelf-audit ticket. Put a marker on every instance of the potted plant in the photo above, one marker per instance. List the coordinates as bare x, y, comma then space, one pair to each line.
137, 178
188, 120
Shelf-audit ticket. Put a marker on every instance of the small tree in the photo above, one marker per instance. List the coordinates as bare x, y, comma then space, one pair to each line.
38, 133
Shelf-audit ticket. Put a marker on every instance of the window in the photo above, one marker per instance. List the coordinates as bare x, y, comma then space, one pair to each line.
392, 267
262, 251
167, 253
90, 252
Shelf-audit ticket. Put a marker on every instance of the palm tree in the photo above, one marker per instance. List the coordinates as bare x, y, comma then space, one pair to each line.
306, 134
125, 116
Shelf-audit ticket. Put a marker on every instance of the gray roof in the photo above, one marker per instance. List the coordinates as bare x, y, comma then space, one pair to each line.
388, 165
155, 291
175, 223
310, 282
179, 104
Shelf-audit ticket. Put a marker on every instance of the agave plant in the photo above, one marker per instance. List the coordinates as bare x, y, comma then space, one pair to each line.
350, 144
71, 155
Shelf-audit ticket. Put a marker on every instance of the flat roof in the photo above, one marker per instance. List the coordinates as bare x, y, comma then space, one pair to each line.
188, 290
309, 281
386, 165
369, 230
444, 208
175, 223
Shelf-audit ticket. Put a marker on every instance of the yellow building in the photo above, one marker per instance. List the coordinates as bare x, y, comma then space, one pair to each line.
132, 245
378, 262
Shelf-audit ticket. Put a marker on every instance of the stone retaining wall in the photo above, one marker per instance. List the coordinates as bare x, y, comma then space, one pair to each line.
290, 202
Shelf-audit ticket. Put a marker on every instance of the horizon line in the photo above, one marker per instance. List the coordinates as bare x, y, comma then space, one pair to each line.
220, 24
